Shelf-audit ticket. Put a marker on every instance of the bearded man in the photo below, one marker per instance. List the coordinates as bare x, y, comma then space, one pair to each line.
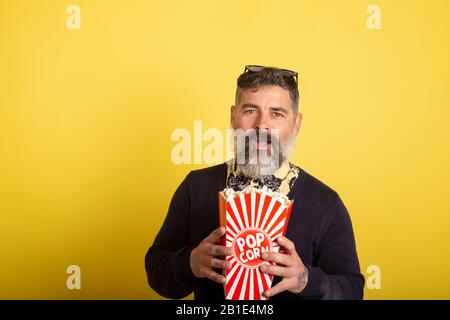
319, 258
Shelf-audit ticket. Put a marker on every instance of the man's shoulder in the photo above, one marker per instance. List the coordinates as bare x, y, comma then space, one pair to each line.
316, 189
209, 174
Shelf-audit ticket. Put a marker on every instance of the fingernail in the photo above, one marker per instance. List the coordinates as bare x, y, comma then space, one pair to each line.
264, 255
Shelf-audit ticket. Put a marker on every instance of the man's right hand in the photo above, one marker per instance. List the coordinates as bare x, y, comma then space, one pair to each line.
205, 257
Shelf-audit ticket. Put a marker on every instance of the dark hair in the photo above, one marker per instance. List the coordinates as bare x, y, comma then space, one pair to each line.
268, 76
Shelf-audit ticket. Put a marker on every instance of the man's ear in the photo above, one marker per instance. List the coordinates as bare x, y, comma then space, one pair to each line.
298, 122
232, 113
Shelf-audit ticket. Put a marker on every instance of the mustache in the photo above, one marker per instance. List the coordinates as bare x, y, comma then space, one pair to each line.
264, 136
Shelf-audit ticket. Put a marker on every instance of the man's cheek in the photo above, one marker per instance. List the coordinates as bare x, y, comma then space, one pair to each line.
245, 125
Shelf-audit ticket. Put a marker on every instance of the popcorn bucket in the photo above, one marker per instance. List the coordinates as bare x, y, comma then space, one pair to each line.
254, 219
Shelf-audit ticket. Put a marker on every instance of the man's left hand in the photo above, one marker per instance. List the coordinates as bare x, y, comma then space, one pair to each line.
289, 266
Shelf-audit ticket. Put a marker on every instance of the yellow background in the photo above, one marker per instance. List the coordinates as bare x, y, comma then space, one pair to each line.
86, 117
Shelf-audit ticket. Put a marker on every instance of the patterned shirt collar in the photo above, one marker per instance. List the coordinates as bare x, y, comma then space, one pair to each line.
281, 181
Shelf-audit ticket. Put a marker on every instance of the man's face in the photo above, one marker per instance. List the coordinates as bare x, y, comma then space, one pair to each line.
267, 109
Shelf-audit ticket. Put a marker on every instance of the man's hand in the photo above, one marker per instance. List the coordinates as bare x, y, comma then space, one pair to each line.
204, 257
289, 266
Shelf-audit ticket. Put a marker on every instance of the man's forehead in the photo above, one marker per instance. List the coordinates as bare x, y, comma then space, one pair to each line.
271, 96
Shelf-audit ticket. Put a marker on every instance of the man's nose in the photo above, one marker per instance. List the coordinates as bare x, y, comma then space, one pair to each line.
262, 122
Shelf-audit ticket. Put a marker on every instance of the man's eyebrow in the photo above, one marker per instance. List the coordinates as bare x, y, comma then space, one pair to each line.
249, 105
279, 109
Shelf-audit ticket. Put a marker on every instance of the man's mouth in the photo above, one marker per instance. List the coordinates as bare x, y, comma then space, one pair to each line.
262, 142
263, 145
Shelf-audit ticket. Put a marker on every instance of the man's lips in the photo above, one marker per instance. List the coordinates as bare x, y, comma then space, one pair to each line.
262, 141
263, 145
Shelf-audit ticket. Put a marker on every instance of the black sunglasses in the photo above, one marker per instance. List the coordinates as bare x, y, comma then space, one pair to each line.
284, 72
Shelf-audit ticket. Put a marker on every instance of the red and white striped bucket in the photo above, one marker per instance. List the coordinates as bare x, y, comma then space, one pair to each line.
253, 221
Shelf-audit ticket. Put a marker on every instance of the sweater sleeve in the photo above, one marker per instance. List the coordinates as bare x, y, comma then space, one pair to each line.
167, 262
335, 272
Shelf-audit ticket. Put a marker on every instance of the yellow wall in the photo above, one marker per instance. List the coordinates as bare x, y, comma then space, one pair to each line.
86, 117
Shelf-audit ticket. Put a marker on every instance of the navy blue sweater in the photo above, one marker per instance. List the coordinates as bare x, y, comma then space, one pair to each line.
319, 225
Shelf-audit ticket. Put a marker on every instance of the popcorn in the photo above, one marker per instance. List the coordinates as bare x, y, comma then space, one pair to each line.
254, 218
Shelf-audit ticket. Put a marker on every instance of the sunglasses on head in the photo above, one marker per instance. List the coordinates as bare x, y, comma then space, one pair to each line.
284, 72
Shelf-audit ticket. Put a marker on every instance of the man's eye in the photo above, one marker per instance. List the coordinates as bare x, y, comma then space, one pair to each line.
249, 111
277, 114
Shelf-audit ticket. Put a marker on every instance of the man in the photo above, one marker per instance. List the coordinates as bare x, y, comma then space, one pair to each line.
319, 260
